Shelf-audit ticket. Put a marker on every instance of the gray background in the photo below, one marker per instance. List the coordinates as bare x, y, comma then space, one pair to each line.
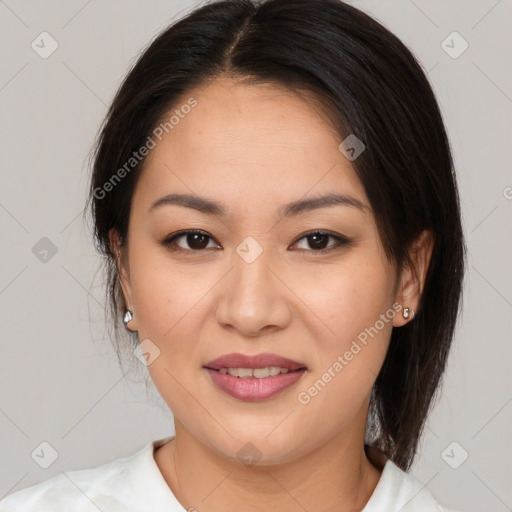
59, 377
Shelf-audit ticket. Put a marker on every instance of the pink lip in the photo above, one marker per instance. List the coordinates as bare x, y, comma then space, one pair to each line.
252, 388
235, 360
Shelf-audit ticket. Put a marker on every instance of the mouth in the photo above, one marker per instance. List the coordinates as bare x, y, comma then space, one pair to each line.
254, 378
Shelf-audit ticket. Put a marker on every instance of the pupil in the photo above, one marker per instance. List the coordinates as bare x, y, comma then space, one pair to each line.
197, 235
322, 237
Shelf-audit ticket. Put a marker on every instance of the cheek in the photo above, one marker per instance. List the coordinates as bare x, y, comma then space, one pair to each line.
355, 302
165, 294
349, 296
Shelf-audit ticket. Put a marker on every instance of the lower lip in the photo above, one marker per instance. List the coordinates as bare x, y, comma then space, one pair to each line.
252, 388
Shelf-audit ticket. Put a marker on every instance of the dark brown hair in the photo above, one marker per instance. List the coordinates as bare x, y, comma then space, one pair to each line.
372, 87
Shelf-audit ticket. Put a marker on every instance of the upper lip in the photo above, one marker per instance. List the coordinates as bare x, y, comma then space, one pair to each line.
235, 360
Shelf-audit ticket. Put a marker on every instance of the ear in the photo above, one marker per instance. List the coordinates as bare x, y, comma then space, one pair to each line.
413, 275
123, 272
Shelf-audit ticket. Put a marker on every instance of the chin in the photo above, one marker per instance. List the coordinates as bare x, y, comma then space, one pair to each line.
257, 446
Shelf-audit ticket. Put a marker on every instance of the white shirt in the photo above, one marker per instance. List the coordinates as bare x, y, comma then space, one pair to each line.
135, 484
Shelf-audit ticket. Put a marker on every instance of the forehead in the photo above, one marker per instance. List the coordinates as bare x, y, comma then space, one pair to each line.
248, 142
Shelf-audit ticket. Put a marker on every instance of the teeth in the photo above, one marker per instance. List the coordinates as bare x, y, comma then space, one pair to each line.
260, 373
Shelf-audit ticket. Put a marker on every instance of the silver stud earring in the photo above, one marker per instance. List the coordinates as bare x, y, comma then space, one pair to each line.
407, 312
127, 316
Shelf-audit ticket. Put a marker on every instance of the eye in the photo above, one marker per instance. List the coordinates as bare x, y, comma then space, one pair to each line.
319, 239
198, 240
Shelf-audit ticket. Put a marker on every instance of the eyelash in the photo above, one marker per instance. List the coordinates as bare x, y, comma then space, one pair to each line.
170, 242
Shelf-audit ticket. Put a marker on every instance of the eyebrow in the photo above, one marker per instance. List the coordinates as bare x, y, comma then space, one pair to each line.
211, 207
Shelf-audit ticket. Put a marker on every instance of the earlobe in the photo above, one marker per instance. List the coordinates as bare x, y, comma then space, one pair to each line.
128, 317
413, 276
123, 276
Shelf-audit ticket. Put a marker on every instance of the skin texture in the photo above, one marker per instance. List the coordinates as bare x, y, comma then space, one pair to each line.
255, 148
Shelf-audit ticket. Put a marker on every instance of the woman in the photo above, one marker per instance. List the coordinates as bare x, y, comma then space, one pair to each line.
274, 194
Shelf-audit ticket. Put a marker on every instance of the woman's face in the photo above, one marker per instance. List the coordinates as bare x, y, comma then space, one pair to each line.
255, 282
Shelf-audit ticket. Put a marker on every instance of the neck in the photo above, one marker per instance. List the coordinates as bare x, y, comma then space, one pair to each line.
337, 476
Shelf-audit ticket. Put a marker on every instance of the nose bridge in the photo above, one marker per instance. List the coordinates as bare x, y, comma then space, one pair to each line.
253, 297
252, 261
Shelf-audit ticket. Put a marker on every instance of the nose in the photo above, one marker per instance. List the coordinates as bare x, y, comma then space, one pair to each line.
254, 297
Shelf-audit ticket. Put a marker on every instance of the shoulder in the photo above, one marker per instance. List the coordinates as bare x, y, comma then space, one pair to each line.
400, 491
104, 487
